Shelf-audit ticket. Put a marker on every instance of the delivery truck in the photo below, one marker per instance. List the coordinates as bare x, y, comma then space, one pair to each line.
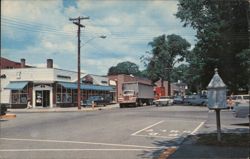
136, 94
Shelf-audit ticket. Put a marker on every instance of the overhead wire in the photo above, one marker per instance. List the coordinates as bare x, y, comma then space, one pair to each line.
32, 23
32, 28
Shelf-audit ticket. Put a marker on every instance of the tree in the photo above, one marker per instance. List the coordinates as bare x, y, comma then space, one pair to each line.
222, 34
180, 73
165, 53
126, 67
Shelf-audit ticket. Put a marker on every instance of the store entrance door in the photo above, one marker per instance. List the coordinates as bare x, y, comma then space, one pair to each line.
46, 100
42, 98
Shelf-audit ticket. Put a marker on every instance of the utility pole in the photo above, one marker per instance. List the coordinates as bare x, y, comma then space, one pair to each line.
77, 21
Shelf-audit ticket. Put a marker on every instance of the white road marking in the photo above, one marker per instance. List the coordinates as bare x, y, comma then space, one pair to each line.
147, 128
167, 137
39, 150
153, 134
174, 131
186, 131
174, 135
164, 130
77, 142
197, 128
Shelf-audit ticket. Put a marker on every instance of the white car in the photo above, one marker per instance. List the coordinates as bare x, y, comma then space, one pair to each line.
164, 101
241, 99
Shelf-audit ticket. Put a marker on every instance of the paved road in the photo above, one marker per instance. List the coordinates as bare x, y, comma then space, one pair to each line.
116, 133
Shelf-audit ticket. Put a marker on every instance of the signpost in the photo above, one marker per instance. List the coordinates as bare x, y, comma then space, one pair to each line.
217, 98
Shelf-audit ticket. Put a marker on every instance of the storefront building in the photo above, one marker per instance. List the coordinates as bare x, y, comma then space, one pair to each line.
45, 87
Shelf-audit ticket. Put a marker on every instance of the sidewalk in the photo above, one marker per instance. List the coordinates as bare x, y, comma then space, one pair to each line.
59, 109
190, 149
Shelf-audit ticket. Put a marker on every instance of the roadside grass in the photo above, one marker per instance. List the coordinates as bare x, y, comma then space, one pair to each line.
227, 139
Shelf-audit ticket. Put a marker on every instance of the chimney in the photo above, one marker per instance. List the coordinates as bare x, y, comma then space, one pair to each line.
49, 63
22, 63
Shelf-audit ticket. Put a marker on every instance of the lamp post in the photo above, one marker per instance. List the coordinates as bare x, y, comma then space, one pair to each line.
79, 72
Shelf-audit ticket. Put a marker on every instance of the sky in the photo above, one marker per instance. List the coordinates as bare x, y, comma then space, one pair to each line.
40, 29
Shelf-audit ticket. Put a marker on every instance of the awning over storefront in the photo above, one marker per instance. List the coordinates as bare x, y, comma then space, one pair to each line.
68, 85
16, 85
86, 87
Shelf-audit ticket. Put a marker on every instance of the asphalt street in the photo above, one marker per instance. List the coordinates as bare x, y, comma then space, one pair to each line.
115, 133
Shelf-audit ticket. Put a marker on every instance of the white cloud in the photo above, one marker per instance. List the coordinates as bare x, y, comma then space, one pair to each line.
129, 26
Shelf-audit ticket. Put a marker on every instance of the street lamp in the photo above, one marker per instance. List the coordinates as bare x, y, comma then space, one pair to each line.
79, 73
101, 37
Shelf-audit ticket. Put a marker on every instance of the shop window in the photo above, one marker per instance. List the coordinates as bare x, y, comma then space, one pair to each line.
23, 98
58, 98
15, 98
19, 96
63, 95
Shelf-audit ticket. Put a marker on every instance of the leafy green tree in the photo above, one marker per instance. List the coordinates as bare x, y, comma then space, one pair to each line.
165, 53
179, 73
222, 34
126, 67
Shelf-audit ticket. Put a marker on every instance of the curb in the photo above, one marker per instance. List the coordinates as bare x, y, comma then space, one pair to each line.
168, 152
48, 110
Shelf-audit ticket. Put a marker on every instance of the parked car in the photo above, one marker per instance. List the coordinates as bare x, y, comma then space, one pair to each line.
164, 101
178, 100
241, 110
241, 99
186, 99
197, 100
98, 100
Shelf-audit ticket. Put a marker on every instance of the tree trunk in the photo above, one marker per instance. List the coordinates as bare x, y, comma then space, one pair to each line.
169, 87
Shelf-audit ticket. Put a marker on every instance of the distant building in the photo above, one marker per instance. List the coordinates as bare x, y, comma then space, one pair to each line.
96, 80
177, 88
45, 87
8, 64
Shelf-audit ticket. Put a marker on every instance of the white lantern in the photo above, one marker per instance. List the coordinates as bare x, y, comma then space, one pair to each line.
216, 93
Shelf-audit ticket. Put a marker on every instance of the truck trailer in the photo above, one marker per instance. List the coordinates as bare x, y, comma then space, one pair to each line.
136, 94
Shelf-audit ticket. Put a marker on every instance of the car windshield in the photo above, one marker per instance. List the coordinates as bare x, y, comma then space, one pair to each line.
128, 93
178, 97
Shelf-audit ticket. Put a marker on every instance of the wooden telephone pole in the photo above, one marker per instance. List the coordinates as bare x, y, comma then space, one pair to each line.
77, 21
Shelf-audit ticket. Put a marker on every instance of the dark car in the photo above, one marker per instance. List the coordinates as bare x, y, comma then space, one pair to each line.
98, 100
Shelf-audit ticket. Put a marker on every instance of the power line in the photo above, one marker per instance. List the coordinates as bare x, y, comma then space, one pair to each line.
34, 30
37, 27
30, 23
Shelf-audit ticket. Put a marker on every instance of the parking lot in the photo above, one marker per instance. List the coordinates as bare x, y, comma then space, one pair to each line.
141, 132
